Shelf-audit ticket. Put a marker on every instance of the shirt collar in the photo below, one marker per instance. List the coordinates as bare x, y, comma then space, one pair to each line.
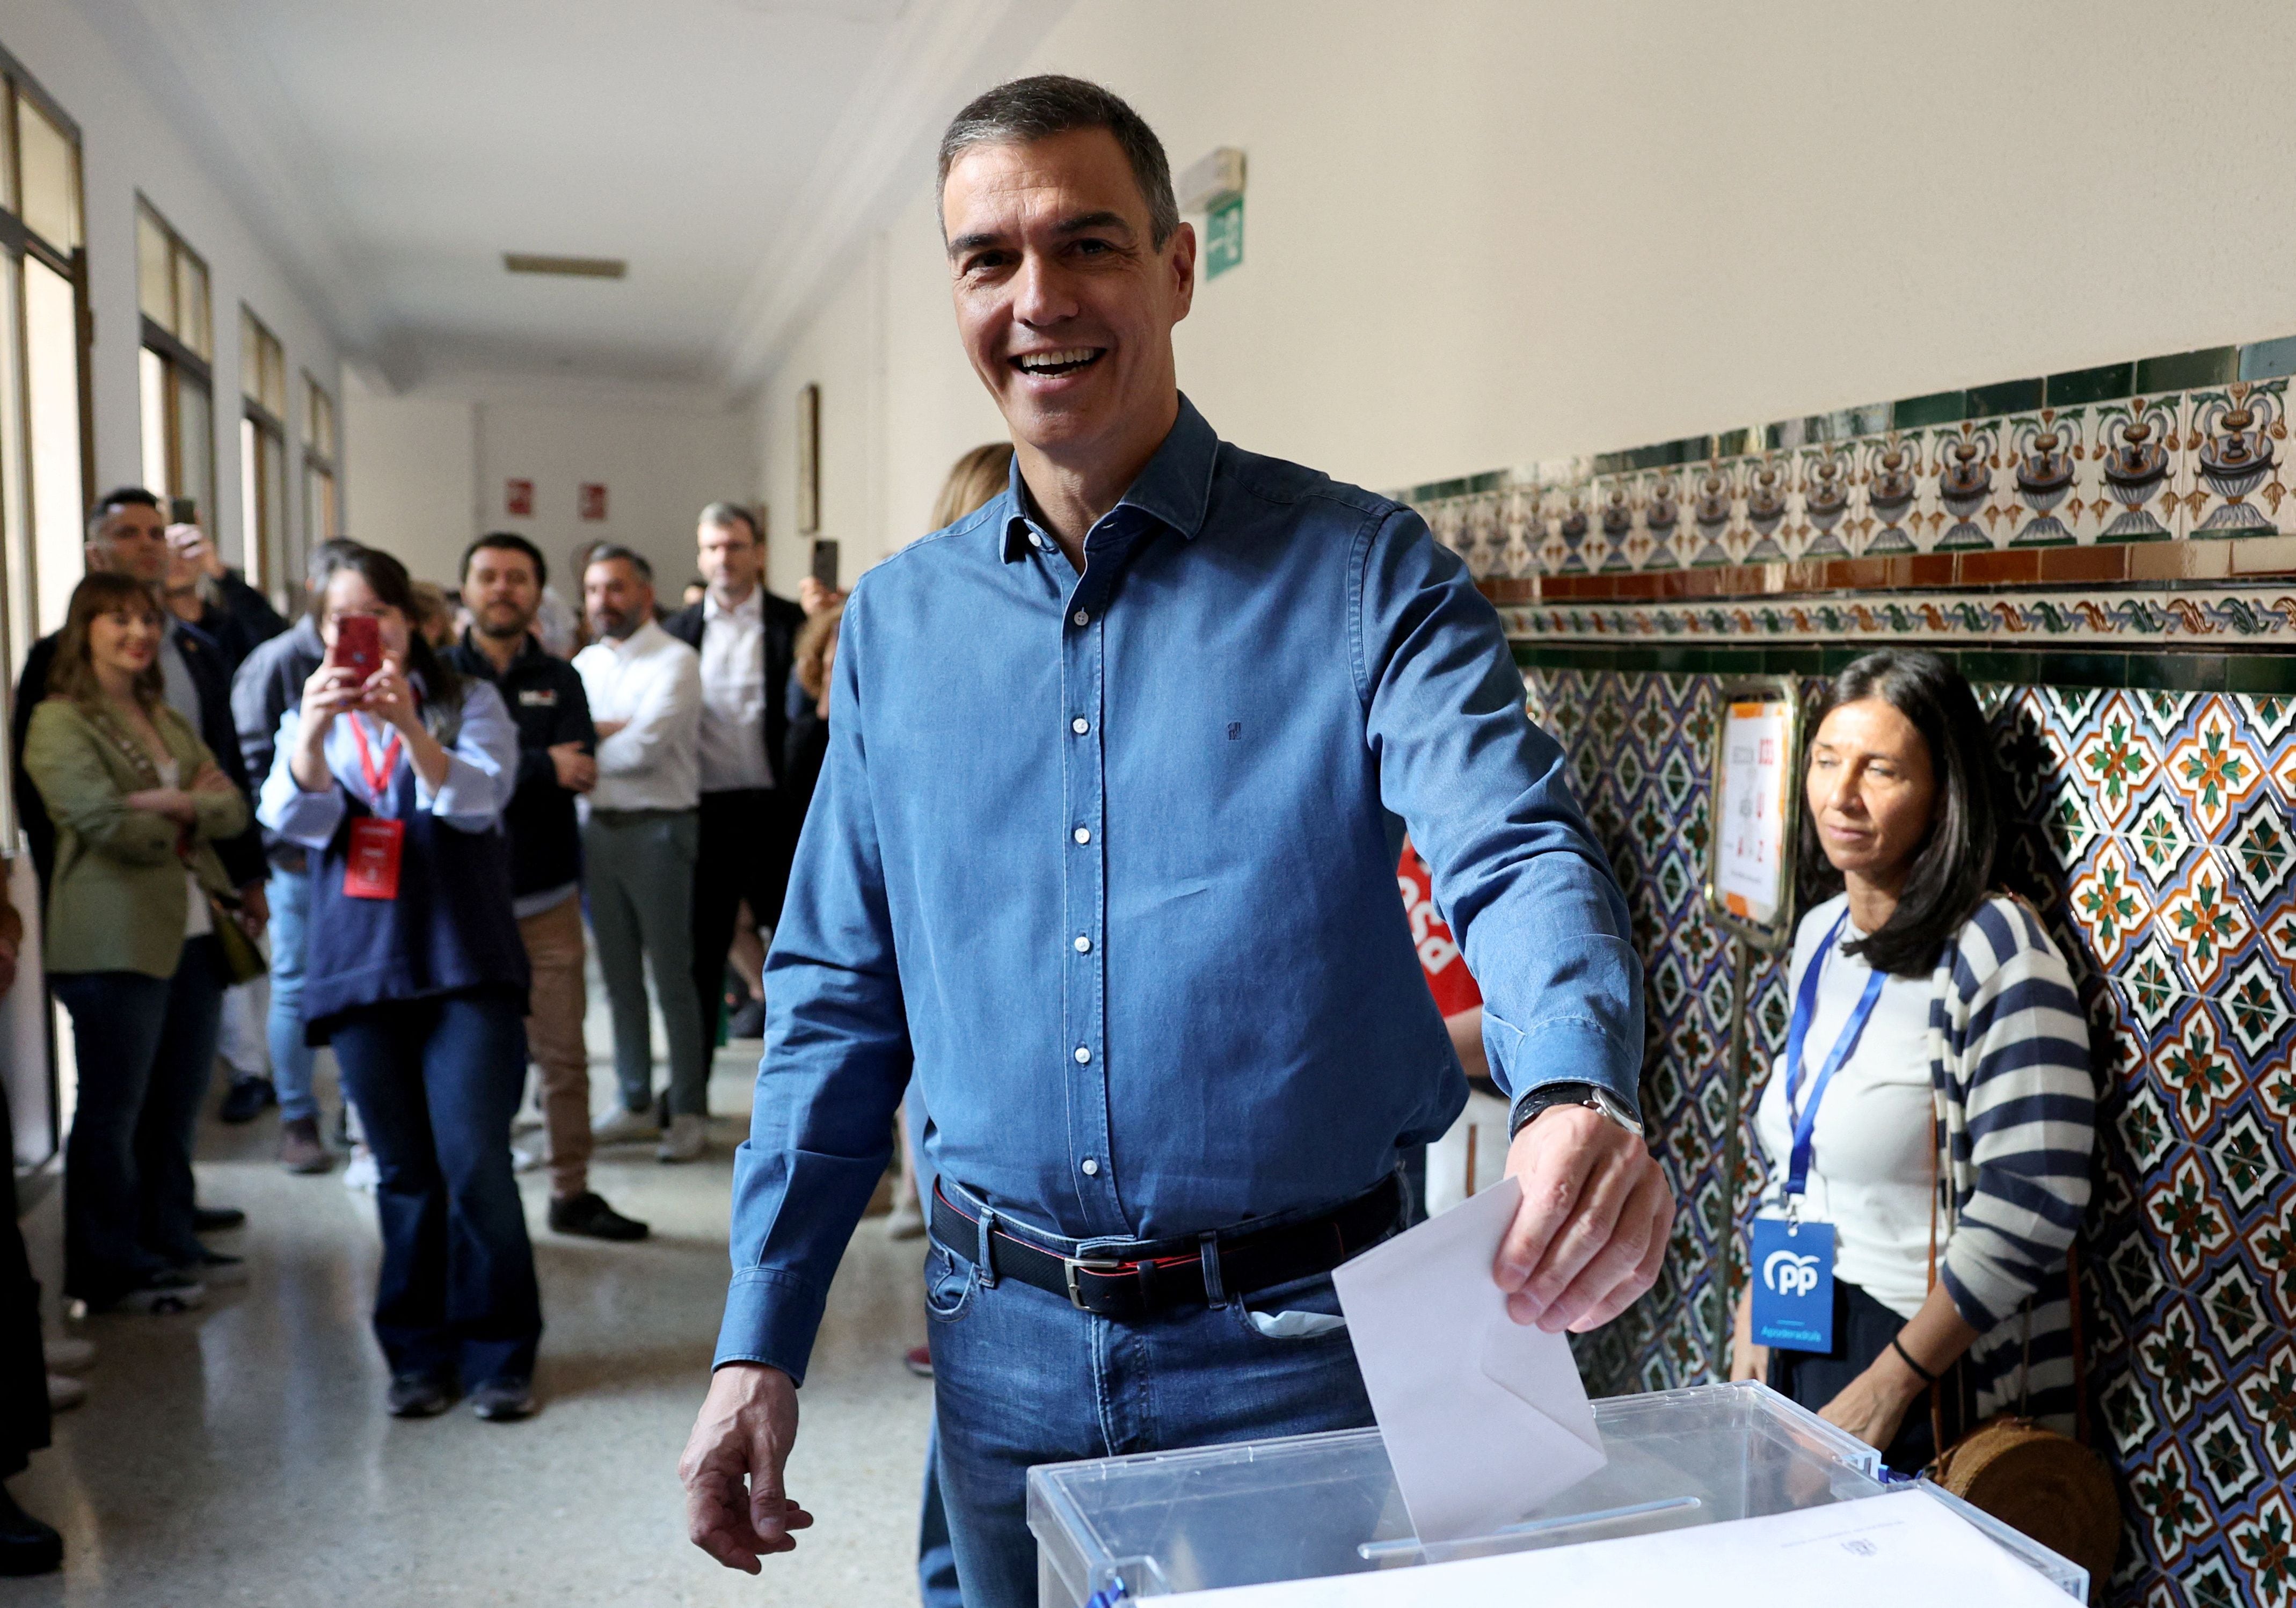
1174, 489
751, 610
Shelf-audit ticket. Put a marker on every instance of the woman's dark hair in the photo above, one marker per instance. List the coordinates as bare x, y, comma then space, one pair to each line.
387, 578
1952, 869
72, 675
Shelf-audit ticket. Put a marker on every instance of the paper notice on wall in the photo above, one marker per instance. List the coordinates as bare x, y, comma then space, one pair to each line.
1751, 856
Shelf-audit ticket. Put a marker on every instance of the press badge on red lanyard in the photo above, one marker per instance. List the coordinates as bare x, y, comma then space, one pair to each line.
371, 870
1793, 1260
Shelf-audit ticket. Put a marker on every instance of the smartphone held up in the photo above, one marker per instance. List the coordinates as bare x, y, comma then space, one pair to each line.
358, 645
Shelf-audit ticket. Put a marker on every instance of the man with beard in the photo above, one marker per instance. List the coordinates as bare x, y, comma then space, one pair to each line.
502, 576
640, 840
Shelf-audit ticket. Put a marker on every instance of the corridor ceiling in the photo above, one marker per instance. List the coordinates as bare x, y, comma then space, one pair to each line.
734, 152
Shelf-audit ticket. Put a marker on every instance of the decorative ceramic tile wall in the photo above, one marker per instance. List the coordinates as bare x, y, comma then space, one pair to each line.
2155, 834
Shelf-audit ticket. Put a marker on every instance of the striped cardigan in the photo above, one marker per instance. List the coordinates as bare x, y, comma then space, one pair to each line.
2016, 1106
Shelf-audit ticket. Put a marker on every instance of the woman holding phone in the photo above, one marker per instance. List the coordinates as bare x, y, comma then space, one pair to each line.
394, 773
138, 802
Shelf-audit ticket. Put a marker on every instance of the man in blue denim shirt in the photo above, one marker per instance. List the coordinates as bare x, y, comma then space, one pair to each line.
1103, 851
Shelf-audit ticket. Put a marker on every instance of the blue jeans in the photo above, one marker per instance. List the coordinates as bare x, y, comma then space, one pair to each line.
289, 892
1021, 1377
436, 1082
935, 1558
146, 1052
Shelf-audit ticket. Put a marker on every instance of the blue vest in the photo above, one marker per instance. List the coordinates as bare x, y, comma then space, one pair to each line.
450, 931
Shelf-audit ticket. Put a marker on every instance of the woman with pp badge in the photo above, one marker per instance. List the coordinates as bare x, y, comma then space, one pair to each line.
394, 773
1929, 1127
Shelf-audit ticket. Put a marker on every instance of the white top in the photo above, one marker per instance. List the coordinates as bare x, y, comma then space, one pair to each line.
654, 681
734, 694
481, 773
197, 920
1869, 1171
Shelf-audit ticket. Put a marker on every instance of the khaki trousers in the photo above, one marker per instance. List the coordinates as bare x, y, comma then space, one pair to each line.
554, 1038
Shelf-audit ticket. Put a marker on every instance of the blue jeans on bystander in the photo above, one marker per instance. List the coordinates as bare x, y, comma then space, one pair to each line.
436, 1082
290, 894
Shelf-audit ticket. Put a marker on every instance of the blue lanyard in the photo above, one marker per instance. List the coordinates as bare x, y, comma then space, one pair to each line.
1804, 1121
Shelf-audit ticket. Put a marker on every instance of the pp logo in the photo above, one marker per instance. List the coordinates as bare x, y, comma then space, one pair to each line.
1790, 1275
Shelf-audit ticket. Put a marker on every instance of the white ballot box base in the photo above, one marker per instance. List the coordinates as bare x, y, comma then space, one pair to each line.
1314, 1506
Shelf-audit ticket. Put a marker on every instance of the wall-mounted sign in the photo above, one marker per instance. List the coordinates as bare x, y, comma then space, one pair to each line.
518, 499
1224, 237
1756, 797
591, 503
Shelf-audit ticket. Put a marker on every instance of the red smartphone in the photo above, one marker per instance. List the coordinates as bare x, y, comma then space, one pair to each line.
358, 645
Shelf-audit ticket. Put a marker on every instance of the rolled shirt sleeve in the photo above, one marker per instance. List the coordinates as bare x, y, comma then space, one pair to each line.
1517, 871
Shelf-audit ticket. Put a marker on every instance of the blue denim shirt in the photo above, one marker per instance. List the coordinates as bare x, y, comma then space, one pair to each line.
1109, 862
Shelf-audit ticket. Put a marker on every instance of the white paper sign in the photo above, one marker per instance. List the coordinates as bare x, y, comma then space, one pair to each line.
1749, 810
1483, 1418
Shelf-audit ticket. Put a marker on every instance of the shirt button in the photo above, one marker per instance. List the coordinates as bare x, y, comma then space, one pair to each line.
1084, 834
1091, 1167
1084, 1055
1082, 617
1083, 944
1080, 726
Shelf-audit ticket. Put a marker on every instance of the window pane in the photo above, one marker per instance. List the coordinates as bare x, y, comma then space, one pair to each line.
319, 429
275, 378
7, 163
250, 360
155, 274
318, 506
50, 177
195, 330
276, 562
157, 476
250, 504
195, 446
51, 368
15, 507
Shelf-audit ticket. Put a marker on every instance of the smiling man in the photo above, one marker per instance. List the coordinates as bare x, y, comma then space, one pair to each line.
1105, 852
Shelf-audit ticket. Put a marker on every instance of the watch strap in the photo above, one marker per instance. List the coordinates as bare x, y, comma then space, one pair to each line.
1541, 1098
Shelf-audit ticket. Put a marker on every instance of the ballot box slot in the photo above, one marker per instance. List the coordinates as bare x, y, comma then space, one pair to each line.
1531, 1532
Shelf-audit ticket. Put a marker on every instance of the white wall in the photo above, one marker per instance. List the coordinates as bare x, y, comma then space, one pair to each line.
431, 471
127, 146
1483, 233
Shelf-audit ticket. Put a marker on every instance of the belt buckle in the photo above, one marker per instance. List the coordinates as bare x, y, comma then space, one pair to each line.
1073, 1265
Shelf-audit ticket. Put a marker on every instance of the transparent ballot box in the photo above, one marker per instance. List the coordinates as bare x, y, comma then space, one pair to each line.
1315, 1506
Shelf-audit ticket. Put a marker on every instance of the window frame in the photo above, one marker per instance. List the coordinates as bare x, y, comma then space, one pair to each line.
321, 524
181, 365
265, 555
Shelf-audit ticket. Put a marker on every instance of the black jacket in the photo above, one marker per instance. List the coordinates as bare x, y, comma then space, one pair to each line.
784, 620
545, 698
243, 855
241, 622
267, 686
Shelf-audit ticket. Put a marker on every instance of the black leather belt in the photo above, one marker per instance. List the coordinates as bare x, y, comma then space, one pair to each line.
1136, 1278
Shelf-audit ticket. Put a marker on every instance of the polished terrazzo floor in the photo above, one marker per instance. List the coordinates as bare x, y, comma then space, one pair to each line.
240, 1455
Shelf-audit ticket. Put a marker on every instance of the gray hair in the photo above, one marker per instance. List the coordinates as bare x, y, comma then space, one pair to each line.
725, 516
1028, 109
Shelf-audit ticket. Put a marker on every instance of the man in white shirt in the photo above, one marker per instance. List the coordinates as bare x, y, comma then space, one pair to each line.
640, 841
747, 638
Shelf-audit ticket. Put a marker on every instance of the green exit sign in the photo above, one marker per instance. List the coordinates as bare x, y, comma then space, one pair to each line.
1224, 237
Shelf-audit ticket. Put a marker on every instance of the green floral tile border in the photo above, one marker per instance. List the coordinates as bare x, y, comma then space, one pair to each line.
2212, 366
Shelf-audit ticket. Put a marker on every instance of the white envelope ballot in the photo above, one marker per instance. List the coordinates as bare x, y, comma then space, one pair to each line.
1484, 1419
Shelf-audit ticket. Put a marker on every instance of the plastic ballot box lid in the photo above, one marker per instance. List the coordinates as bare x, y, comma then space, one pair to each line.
1313, 1506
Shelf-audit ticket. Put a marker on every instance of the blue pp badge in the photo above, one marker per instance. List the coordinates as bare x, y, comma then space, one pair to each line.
1794, 1284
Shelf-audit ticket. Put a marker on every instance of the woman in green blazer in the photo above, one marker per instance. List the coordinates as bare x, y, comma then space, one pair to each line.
137, 801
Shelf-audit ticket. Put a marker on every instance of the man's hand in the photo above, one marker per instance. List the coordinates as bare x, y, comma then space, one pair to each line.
254, 908
7, 965
1873, 1406
812, 598
748, 1424
577, 772
607, 728
1591, 1231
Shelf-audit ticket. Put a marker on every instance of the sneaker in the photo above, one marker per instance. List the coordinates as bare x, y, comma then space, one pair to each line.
26, 1546
217, 1219
503, 1401
360, 1174
66, 1355
687, 1139
161, 1293
214, 1267
918, 1360
64, 1394
627, 1128
417, 1396
588, 1215
905, 1221
247, 1097
300, 1150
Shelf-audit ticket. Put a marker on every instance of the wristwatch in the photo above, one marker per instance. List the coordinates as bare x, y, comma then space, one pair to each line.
1589, 1095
